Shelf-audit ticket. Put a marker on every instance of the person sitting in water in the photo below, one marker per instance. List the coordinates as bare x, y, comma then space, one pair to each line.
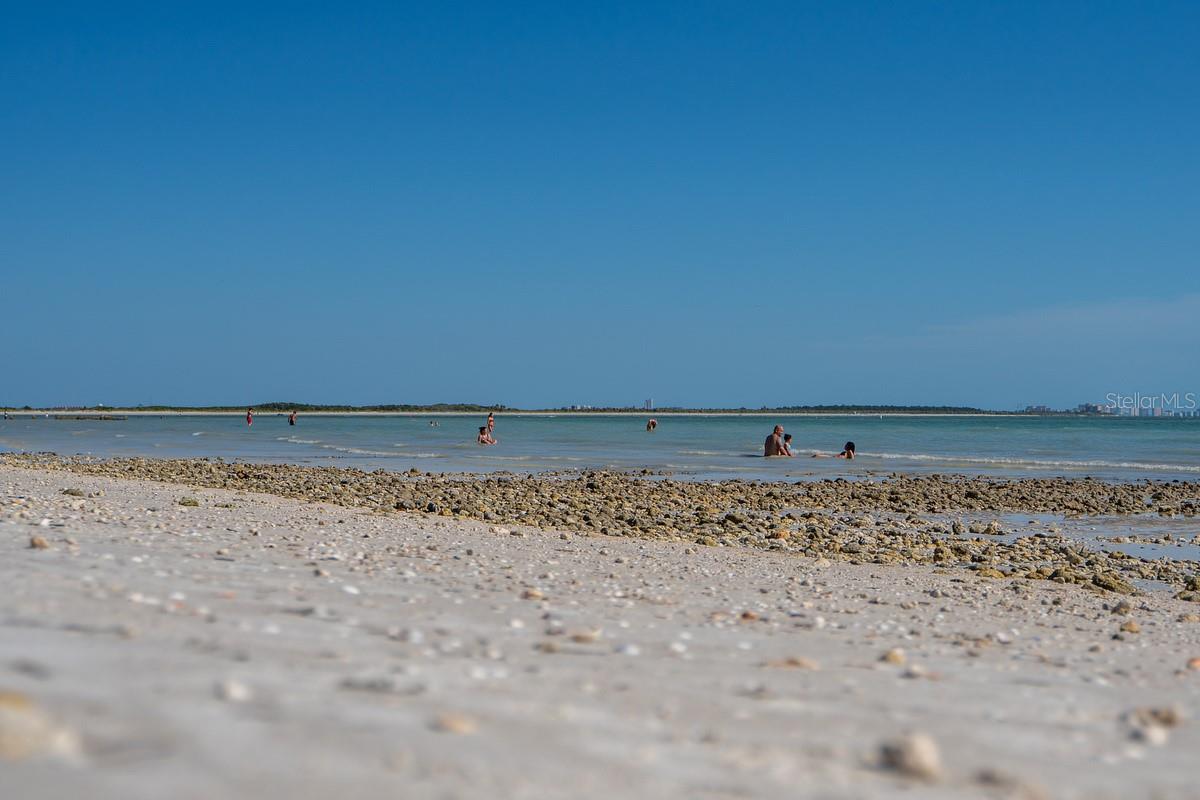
774, 445
485, 436
651, 425
787, 445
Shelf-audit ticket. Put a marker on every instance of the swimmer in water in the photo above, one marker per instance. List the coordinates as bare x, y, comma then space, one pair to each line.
847, 452
651, 426
249, 417
787, 445
292, 418
774, 445
485, 436
491, 423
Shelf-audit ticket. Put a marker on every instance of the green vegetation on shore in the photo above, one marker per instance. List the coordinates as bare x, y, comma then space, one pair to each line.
477, 408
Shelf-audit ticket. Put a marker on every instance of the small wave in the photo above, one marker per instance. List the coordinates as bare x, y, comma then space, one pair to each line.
361, 452
548, 459
198, 433
1036, 463
294, 440
701, 453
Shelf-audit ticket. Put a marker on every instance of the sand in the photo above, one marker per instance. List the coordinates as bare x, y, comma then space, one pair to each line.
256, 646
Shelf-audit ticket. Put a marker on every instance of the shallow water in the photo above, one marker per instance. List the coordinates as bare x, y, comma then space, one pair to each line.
698, 446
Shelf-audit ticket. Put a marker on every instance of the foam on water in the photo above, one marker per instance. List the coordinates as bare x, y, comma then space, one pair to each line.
1034, 463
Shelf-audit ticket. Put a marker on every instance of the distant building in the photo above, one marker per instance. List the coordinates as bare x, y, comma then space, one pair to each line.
1039, 410
649, 404
1093, 408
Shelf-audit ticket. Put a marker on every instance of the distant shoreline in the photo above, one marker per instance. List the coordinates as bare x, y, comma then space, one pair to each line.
442, 410
78, 413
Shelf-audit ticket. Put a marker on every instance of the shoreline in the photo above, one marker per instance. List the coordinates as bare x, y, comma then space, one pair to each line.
41, 413
149, 647
953, 522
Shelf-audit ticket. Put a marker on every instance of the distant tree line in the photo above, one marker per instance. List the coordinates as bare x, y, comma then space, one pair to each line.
283, 407
476, 408
826, 409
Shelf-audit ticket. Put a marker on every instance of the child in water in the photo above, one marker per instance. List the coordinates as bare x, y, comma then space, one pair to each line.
485, 436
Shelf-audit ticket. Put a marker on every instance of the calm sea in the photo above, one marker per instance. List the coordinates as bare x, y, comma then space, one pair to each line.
689, 446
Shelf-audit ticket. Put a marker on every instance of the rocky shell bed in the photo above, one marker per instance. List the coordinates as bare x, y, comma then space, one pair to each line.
857, 521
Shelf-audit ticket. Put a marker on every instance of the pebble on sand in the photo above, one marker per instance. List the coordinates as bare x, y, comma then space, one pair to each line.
232, 691
38, 543
455, 723
26, 731
915, 755
1152, 725
894, 656
793, 662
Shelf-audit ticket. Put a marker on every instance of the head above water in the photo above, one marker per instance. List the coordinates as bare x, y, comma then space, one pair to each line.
778, 429
848, 447
787, 437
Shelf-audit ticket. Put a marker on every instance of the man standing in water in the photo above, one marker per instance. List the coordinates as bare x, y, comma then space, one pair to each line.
292, 418
774, 445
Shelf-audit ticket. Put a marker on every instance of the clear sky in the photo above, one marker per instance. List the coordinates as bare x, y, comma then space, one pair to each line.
552, 203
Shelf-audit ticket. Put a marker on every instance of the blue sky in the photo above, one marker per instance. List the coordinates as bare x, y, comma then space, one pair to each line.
545, 204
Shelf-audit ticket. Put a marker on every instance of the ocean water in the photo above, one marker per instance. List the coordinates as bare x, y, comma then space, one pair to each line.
691, 446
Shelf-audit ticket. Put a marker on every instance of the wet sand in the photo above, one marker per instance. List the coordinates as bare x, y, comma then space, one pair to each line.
252, 644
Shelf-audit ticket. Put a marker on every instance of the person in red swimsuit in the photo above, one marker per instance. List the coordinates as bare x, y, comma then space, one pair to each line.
249, 417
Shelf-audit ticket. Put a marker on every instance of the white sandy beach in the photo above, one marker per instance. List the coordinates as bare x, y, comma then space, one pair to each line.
256, 647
